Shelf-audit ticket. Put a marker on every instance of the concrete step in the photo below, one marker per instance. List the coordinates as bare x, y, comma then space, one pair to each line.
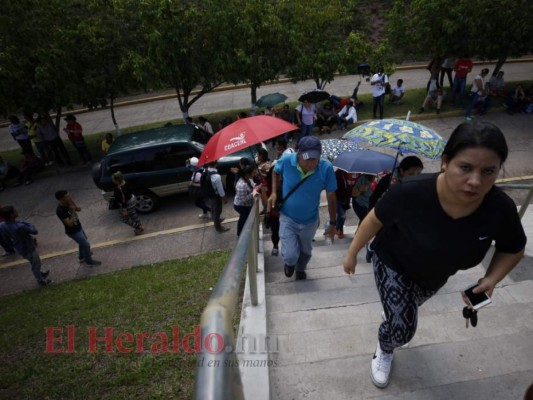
476, 368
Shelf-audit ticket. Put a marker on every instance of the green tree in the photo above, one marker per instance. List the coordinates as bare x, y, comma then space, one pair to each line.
261, 53
317, 34
190, 46
510, 32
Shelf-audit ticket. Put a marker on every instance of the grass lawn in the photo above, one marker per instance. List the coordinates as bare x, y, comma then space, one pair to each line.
147, 299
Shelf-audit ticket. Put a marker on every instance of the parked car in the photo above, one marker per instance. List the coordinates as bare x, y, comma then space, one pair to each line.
153, 162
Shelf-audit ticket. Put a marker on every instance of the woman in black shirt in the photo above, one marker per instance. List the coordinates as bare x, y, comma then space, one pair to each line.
433, 225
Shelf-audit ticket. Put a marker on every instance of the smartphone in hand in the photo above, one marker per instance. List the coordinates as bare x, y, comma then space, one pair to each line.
476, 300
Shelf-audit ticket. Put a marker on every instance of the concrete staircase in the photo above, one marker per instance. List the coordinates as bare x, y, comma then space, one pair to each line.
326, 332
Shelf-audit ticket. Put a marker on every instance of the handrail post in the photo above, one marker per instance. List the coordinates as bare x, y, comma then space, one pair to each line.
525, 204
252, 256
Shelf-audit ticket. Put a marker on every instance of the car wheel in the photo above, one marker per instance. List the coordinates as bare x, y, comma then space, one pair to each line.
147, 202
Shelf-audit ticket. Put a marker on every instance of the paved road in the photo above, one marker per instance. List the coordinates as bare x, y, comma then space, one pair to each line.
177, 215
164, 110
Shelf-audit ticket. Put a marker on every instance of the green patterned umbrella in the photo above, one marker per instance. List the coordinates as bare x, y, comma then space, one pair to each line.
404, 136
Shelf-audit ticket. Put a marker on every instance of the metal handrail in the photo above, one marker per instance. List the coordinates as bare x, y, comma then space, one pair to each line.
525, 204
217, 370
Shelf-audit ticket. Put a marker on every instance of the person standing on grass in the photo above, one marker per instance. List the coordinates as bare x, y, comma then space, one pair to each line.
67, 212
75, 135
20, 235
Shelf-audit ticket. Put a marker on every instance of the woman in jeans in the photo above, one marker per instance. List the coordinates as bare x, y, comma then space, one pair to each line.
127, 202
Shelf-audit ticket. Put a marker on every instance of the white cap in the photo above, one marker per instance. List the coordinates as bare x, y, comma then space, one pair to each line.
193, 161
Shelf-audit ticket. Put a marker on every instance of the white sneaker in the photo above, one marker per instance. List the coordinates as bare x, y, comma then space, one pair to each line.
380, 368
384, 318
204, 216
275, 252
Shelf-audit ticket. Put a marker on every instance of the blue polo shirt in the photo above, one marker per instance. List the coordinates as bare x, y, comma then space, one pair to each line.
302, 206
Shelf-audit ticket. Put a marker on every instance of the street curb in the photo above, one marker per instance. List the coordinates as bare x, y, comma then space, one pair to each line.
243, 86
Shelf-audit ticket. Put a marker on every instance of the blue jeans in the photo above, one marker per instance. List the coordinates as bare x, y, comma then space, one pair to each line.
84, 247
341, 214
378, 101
473, 101
296, 241
343, 123
35, 262
305, 130
459, 85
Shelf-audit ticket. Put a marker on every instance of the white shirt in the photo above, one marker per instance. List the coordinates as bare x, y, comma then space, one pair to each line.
379, 88
351, 113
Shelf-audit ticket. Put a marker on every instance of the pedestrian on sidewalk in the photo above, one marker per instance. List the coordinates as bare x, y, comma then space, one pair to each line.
195, 189
214, 190
302, 176
127, 203
74, 132
67, 212
19, 235
433, 225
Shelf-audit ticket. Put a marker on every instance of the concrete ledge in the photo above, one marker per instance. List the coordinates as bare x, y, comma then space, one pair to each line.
254, 343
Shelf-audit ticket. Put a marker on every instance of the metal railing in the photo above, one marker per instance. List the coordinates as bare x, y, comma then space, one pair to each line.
217, 370
524, 186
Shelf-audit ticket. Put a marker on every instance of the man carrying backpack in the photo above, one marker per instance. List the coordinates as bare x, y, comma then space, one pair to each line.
211, 183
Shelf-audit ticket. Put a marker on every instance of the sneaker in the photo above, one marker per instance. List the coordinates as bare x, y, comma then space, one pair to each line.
340, 234
45, 274
94, 263
469, 118
45, 282
289, 270
301, 275
275, 251
204, 216
380, 368
8, 253
222, 229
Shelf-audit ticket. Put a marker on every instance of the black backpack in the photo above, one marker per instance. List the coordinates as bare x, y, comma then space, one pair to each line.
206, 185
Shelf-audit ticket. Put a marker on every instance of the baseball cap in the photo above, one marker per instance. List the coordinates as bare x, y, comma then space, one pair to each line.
309, 147
193, 161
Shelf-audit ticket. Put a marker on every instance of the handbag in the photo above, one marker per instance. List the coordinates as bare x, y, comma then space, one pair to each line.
280, 201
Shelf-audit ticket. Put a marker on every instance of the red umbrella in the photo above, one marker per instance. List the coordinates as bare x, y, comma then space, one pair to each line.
243, 133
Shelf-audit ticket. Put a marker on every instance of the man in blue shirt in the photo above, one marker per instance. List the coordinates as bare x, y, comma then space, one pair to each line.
299, 213
19, 233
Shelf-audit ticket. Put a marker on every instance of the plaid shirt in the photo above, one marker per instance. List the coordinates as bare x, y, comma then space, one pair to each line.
243, 193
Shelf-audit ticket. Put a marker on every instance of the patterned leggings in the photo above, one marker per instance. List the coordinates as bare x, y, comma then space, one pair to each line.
400, 298
132, 219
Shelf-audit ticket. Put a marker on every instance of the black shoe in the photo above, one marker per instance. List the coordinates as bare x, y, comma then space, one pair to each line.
45, 274
301, 275
289, 270
45, 282
94, 263
222, 229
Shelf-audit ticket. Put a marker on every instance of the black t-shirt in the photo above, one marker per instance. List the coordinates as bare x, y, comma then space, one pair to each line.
421, 241
64, 212
122, 195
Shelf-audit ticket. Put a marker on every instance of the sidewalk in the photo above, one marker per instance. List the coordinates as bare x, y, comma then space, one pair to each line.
139, 112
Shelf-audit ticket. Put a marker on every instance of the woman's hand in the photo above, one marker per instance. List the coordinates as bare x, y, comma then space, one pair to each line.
349, 263
485, 285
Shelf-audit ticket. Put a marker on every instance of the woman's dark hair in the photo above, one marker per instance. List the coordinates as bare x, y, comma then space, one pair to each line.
262, 153
410, 162
476, 134
248, 169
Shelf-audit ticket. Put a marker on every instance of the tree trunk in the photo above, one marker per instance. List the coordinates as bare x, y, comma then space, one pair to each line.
112, 109
253, 92
499, 65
